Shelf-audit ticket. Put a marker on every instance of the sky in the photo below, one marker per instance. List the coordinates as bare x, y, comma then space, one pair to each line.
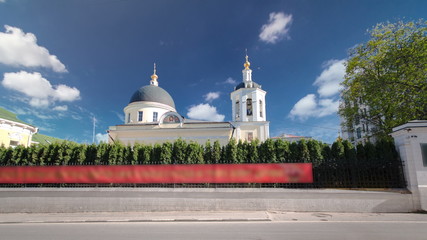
65, 65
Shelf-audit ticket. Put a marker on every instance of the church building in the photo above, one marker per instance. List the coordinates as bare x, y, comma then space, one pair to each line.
151, 117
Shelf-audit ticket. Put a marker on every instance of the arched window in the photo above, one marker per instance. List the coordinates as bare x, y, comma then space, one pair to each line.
237, 109
249, 107
140, 114
260, 108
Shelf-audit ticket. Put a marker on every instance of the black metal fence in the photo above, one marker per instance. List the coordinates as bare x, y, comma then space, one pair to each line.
328, 174
339, 165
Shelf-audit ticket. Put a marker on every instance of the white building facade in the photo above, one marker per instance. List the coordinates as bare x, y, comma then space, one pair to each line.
151, 117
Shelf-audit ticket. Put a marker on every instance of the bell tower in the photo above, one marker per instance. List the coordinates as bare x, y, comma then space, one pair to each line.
248, 99
248, 108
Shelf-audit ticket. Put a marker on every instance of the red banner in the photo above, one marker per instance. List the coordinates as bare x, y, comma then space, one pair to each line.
203, 173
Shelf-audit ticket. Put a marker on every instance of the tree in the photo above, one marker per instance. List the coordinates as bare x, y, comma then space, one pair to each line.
216, 152
267, 151
315, 150
231, 151
194, 153
166, 153
207, 152
178, 152
304, 153
252, 151
282, 150
241, 152
386, 78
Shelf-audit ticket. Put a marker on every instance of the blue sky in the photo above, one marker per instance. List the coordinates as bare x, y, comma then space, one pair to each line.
63, 63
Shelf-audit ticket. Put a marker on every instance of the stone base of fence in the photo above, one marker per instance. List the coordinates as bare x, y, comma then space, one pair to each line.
71, 200
411, 143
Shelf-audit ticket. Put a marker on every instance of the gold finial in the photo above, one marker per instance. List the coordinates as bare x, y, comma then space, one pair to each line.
154, 76
247, 63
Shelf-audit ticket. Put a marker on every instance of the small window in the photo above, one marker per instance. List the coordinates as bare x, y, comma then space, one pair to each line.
128, 117
155, 114
260, 109
140, 115
250, 136
357, 120
249, 107
13, 144
359, 133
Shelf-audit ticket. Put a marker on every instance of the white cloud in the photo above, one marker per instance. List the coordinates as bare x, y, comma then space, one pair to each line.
101, 137
330, 79
39, 89
209, 97
230, 81
205, 112
277, 27
309, 106
65, 93
328, 83
18, 48
61, 108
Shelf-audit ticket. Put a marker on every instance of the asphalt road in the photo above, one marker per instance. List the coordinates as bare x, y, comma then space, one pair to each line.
327, 230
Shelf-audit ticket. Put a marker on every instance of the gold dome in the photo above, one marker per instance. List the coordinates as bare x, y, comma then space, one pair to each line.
247, 64
154, 77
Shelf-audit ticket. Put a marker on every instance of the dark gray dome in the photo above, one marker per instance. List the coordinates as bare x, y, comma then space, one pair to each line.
242, 85
151, 93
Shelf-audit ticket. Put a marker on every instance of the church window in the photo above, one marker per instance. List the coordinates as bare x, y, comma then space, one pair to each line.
140, 114
155, 114
171, 119
250, 136
128, 117
237, 109
260, 108
249, 107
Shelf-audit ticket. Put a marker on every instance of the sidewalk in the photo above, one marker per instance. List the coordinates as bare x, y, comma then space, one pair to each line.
10, 218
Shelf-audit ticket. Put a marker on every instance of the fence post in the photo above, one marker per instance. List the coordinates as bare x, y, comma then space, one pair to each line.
411, 143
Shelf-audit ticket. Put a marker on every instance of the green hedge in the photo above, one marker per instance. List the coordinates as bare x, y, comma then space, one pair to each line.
339, 165
181, 152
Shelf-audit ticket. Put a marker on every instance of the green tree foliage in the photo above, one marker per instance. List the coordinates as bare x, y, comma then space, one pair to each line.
194, 153
303, 152
337, 152
155, 154
216, 152
231, 151
268, 151
102, 153
207, 153
294, 155
349, 152
386, 78
242, 154
282, 150
252, 151
179, 149
315, 151
142, 153
326, 152
166, 153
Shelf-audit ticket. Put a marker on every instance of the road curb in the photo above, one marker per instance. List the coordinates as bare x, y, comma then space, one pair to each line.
137, 221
